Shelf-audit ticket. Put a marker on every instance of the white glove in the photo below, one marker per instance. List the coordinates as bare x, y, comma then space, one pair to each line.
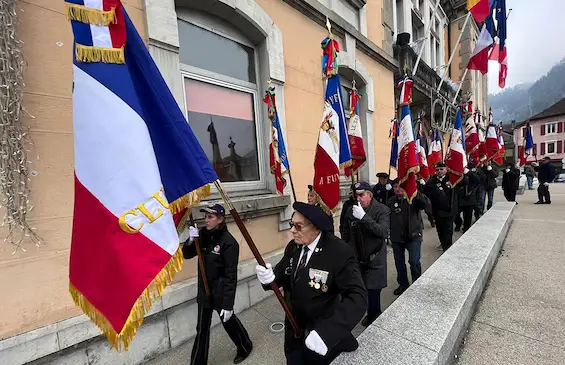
518, 165
265, 274
546, 184
315, 343
225, 315
507, 170
489, 168
422, 181
388, 187
465, 171
193, 233
473, 169
358, 211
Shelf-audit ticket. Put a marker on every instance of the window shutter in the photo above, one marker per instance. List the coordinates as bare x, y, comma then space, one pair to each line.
535, 149
542, 146
523, 132
560, 127
559, 146
542, 129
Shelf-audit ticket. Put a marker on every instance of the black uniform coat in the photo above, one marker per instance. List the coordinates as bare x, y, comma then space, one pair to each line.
380, 193
405, 219
343, 221
491, 175
441, 194
374, 229
546, 173
511, 179
332, 313
220, 252
468, 192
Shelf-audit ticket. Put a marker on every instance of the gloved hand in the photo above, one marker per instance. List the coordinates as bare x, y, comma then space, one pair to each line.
193, 233
315, 343
489, 168
358, 211
265, 274
473, 169
225, 315
388, 187
518, 165
465, 171
546, 183
422, 181
507, 170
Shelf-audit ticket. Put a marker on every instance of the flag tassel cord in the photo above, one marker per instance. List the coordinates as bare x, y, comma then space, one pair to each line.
142, 306
190, 199
99, 54
84, 14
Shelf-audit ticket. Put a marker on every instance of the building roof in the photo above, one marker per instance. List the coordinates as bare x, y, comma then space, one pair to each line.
556, 109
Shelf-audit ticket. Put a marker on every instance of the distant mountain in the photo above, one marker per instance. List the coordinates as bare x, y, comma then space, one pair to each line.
514, 103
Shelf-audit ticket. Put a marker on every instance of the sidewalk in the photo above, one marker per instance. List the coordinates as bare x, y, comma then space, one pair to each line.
521, 316
268, 346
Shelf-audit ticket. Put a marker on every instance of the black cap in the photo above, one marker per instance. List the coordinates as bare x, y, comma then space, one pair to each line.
214, 209
470, 165
547, 158
362, 186
440, 164
310, 188
383, 175
314, 214
393, 182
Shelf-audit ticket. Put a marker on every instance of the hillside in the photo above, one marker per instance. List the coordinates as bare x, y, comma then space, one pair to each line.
514, 103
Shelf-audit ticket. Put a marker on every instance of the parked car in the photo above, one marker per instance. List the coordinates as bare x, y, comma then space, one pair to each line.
560, 178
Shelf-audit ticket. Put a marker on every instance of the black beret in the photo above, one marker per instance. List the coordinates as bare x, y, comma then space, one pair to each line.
310, 188
363, 186
382, 174
440, 164
315, 215
395, 181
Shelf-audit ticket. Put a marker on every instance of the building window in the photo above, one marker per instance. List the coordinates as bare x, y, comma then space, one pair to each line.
551, 147
551, 128
219, 69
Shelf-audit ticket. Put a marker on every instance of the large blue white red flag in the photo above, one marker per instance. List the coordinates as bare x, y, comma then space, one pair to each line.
528, 145
421, 153
491, 143
456, 159
355, 135
137, 163
332, 153
408, 165
278, 158
393, 134
435, 153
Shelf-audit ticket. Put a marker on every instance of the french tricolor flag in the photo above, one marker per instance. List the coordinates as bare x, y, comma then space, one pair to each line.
421, 154
435, 153
137, 162
491, 143
407, 163
456, 159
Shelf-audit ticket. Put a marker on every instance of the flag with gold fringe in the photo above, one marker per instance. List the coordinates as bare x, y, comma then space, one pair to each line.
137, 162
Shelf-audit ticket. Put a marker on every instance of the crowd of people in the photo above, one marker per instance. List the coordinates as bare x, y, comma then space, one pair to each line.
329, 283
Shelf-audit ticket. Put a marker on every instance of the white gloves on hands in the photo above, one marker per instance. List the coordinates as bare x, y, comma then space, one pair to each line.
507, 170
193, 233
489, 168
315, 343
465, 171
358, 211
422, 181
225, 315
546, 183
388, 187
473, 169
265, 274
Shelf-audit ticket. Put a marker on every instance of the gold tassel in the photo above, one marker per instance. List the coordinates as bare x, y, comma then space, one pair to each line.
100, 54
137, 314
83, 14
189, 200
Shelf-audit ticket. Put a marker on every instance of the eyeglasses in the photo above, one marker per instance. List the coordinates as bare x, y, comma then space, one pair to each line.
298, 226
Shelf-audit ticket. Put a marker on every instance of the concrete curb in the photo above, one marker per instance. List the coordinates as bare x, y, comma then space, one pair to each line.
426, 323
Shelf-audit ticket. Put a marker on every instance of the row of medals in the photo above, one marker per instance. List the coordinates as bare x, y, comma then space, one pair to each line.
315, 279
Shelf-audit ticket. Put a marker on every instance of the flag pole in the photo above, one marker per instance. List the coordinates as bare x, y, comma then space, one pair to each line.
427, 35
453, 52
292, 185
257, 256
200, 259
460, 85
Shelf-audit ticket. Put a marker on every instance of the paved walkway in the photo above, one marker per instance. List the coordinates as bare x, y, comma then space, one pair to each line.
268, 346
521, 317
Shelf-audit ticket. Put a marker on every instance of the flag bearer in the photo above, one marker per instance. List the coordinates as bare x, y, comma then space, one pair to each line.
382, 189
467, 194
323, 286
220, 253
546, 175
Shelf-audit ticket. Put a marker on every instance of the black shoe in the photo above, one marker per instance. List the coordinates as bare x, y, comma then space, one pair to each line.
242, 356
547, 202
366, 322
433, 224
400, 290
539, 202
457, 229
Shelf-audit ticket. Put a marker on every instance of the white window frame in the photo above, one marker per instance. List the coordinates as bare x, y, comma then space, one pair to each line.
554, 124
213, 78
547, 143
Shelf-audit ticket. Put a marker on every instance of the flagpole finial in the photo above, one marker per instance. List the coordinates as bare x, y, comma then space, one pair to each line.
353, 82
329, 25
269, 82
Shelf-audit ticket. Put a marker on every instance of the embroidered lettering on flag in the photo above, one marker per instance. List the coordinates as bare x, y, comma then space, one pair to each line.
355, 135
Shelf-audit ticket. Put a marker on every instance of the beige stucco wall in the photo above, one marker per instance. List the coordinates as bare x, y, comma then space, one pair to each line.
34, 284
375, 27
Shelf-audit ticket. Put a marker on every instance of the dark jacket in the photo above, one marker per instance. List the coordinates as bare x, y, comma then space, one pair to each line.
529, 171
546, 173
511, 179
443, 198
371, 251
405, 219
381, 194
343, 222
332, 312
491, 175
330, 217
220, 252
467, 193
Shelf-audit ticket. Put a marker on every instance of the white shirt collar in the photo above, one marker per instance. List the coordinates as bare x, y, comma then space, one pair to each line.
312, 246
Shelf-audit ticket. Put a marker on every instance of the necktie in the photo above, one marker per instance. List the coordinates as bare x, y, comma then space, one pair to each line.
303, 259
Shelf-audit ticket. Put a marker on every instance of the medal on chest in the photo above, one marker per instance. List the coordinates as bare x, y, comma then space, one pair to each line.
318, 279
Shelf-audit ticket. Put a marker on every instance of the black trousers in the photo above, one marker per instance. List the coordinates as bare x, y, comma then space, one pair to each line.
444, 227
297, 353
543, 193
510, 195
233, 327
467, 217
374, 303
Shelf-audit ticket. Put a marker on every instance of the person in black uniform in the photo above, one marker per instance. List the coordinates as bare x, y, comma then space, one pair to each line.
546, 175
366, 229
406, 234
382, 189
220, 253
322, 285
467, 195
347, 205
313, 199
510, 182
444, 204
491, 173
480, 192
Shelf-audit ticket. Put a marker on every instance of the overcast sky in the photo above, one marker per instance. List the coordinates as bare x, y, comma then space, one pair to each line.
535, 41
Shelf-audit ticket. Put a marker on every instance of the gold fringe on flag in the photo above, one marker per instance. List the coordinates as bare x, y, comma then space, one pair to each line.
84, 14
100, 54
189, 200
143, 304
